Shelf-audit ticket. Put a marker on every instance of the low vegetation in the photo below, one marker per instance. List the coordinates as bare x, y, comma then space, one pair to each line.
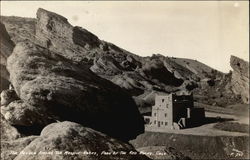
197, 147
232, 127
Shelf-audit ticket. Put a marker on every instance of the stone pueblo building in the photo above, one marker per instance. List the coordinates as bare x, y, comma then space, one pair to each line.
173, 112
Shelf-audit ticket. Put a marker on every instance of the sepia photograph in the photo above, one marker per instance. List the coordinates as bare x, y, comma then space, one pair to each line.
124, 80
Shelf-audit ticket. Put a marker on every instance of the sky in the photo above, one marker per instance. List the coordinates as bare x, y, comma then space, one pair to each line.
208, 31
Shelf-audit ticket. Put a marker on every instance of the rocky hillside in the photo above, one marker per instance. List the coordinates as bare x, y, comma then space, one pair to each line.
141, 77
72, 91
49, 86
19, 28
6, 47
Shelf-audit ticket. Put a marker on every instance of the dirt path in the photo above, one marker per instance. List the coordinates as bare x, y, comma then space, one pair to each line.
240, 119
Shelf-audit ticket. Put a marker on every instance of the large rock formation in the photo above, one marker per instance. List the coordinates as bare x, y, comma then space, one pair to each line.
8, 132
138, 75
6, 44
63, 72
55, 33
19, 29
8, 96
68, 140
53, 88
240, 78
6, 47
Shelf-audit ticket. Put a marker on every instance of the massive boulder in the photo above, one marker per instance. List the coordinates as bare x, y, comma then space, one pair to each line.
56, 89
68, 140
157, 73
19, 113
55, 33
19, 28
103, 58
240, 78
138, 75
106, 65
8, 96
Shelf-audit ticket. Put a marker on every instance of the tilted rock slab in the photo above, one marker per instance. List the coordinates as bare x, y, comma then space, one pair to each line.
57, 89
7, 44
6, 47
240, 78
107, 60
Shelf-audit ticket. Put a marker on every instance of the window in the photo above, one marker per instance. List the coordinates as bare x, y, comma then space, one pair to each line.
166, 123
165, 114
154, 122
162, 100
155, 114
147, 120
162, 123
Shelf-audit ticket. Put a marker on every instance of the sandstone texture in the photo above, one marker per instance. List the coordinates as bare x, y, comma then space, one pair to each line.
19, 113
8, 132
7, 44
19, 29
93, 89
8, 96
137, 75
240, 78
6, 47
11, 148
53, 88
76, 142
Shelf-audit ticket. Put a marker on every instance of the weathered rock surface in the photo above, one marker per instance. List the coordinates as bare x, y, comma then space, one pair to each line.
107, 65
74, 141
8, 96
157, 73
19, 113
8, 132
240, 78
55, 33
6, 47
52, 74
6, 44
19, 28
52, 88
11, 148
149, 74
